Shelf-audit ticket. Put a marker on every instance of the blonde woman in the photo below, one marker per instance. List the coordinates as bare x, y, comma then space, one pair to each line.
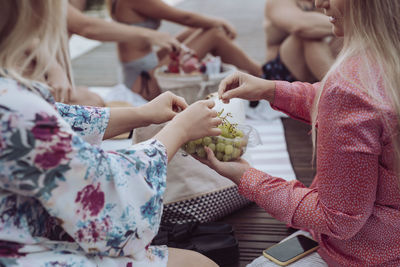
206, 35
353, 206
63, 200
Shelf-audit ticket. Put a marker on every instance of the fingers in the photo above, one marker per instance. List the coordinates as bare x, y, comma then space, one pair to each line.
64, 95
235, 93
57, 96
209, 103
211, 157
229, 87
230, 82
214, 131
176, 45
179, 102
216, 121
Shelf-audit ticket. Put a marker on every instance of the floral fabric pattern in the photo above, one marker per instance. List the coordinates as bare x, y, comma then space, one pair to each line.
63, 200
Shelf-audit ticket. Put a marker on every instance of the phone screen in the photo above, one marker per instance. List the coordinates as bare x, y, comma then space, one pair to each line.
291, 248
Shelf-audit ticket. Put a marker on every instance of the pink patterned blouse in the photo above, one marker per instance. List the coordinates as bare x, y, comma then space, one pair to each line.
352, 207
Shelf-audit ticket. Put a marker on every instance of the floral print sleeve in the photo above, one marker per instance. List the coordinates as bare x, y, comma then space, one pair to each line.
106, 206
88, 122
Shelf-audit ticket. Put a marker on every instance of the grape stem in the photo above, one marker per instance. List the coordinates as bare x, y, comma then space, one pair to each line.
225, 123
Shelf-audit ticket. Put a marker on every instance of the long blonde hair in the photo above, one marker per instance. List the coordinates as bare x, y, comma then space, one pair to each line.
372, 33
31, 32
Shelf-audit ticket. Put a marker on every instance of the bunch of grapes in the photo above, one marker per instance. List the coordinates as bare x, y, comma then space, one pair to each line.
228, 146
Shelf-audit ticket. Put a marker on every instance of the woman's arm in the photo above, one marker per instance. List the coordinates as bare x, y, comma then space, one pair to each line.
94, 124
295, 99
347, 173
109, 203
110, 31
348, 151
286, 15
159, 10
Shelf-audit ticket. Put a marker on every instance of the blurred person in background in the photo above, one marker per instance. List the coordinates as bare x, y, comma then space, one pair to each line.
105, 31
205, 35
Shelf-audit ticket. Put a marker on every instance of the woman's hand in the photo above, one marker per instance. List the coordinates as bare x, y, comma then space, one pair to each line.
165, 41
227, 27
59, 84
246, 86
164, 107
233, 170
198, 120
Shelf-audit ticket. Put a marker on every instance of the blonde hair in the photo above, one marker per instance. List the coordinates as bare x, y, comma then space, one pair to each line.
31, 33
372, 33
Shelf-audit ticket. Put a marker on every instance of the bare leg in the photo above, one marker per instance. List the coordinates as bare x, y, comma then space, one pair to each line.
216, 42
183, 257
319, 57
84, 97
292, 55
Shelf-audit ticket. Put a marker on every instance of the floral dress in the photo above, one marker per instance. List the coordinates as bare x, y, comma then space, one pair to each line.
63, 200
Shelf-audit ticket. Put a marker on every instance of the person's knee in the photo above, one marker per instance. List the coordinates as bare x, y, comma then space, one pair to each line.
83, 96
183, 257
217, 34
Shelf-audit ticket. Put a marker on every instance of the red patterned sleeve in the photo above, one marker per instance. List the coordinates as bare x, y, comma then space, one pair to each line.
295, 99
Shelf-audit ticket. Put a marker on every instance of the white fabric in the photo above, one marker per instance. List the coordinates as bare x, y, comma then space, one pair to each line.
263, 111
311, 260
271, 156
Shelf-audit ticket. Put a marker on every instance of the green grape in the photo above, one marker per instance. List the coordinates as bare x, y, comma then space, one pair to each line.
237, 143
190, 150
226, 158
239, 133
220, 156
207, 140
191, 145
221, 147
228, 142
212, 147
225, 132
215, 139
220, 139
198, 141
228, 149
201, 152
236, 153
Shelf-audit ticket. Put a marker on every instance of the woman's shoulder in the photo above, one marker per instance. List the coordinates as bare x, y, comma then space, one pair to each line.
354, 84
356, 76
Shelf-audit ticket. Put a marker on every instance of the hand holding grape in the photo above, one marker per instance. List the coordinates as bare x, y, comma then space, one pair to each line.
232, 170
164, 107
198, 120
246, 86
